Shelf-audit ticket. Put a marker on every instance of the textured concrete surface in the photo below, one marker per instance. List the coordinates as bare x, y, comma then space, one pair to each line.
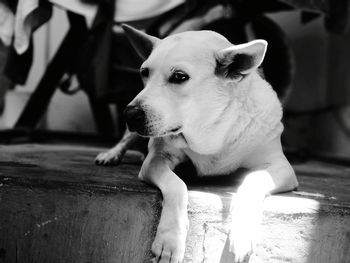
57, 206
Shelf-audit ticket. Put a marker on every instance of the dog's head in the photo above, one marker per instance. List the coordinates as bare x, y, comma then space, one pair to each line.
189, 79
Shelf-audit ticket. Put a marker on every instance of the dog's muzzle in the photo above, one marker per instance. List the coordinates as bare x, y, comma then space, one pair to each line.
135, 117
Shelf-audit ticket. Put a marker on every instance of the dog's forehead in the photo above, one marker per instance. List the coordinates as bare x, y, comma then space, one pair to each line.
190, 45
198, 37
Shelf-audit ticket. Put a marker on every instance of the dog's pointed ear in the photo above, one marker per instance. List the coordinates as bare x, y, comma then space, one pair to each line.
240, 60
142, 42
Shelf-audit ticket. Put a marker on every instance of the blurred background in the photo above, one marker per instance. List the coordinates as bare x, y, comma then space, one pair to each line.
308, 64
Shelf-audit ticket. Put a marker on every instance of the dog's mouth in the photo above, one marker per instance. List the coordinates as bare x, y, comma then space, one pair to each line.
172, 131
149, 133
175, 130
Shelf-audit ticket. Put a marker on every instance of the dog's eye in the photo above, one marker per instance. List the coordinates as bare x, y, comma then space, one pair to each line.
178, 77
144, 72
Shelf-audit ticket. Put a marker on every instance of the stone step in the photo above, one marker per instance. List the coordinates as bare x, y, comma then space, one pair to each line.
57, 206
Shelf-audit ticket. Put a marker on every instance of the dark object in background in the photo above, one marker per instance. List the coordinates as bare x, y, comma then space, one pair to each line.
337, 12
5, 84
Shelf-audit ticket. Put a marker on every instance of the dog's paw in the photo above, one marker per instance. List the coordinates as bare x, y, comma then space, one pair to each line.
243, 235
111, 157
169, 244
169, 247
241, 244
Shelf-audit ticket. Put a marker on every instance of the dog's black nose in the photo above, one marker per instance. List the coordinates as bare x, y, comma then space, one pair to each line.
135, 118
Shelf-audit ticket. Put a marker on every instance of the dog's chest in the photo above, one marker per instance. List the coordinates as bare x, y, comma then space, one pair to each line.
222, 163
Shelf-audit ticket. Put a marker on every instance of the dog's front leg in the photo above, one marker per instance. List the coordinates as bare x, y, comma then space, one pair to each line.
274, 176
169, 243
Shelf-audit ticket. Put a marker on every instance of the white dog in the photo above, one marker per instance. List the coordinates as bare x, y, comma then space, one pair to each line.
204, 101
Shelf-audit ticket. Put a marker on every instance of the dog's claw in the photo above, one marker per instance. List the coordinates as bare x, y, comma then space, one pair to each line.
166, 256
169, 246
242, 252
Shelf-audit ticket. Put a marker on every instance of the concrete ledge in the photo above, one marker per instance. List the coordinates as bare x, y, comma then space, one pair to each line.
57, 206
294, 229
